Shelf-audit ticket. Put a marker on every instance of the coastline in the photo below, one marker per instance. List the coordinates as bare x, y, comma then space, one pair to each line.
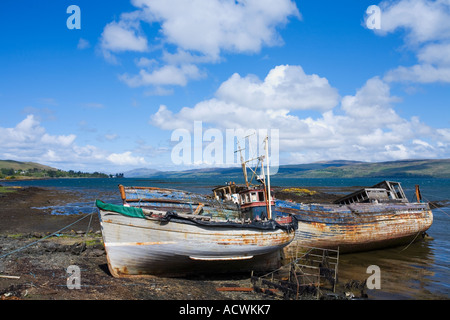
25, 178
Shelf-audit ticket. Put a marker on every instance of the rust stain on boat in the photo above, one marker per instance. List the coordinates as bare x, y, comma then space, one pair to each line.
319, 226
364, 232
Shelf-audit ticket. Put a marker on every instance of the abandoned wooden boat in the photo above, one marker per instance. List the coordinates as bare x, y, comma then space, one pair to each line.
142, 241
371, 218
154, 198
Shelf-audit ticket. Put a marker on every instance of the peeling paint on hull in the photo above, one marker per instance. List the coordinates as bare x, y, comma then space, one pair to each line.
150, 246
357, 227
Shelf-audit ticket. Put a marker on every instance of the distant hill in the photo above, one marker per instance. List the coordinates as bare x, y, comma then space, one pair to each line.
432, 168
11, 169
435, 168
439, 168
18, 165
140, 173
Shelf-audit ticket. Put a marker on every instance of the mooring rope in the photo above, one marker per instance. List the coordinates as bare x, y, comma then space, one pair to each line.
436, 207
89, 224
411, 241
50, 235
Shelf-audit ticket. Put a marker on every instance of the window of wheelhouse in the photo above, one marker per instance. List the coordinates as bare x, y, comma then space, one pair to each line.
261, 196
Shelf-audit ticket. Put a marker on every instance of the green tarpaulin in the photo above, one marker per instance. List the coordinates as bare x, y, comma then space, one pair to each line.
127, 211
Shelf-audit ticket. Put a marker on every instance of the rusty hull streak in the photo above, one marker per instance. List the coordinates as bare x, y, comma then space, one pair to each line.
361, 231
257, 240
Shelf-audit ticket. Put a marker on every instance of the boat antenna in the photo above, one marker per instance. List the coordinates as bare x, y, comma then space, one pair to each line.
244, 169
266, 140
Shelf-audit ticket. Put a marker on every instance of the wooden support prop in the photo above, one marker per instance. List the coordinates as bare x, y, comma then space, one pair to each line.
418, 194
245, 289
235, 289
122, 192
200, 206
9, 277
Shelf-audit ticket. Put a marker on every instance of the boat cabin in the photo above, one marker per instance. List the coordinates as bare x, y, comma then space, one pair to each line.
254, 204
229, 192
385, 191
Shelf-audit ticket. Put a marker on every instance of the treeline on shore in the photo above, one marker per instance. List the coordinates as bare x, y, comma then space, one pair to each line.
10, 173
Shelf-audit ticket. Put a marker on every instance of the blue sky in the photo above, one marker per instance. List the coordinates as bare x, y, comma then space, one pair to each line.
110, 95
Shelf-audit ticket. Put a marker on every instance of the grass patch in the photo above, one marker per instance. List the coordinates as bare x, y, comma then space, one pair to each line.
15, 236
300, 191
7, 189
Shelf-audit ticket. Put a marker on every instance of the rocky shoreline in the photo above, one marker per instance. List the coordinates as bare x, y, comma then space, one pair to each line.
40, 272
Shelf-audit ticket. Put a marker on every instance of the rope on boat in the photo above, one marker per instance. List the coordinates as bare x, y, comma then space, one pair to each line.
436, 208
89, 224
411, 241
50, 235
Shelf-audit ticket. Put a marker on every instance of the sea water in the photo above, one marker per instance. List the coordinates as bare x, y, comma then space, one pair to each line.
420, 270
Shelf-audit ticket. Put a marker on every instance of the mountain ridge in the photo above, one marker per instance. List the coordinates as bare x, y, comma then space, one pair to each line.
431, 168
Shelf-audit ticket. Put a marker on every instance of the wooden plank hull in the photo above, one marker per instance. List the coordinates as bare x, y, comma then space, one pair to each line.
358, 227
150, 246
154, 198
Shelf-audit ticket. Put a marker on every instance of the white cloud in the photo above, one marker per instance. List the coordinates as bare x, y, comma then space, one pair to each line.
145, 62
284, 87
126, 158
158, 91
83, 44
86, 154
181, 57
111, 137
236, 26
240, 100
371, 106
29, 134
119, 37
423, 20
122, 36
421, 73
166, 75
29, 141
426, 26
196, 32
438, 53
94, 105
422, 143
363, 126
444, 134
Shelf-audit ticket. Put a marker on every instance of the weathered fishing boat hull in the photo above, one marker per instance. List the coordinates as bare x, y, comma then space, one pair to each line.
358, 227
154, 198
150, 246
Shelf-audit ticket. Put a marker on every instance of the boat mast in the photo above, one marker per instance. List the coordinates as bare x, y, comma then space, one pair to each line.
263, 180
244, 169
268, 178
